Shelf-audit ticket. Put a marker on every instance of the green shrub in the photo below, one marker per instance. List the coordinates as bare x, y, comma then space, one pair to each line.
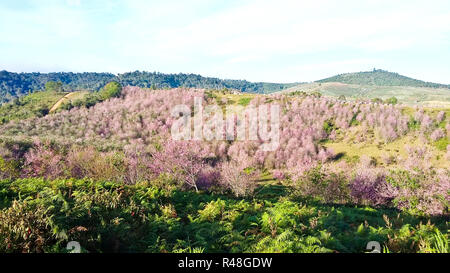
328, 126
413, 124
111, 90
377, 100
26, 227
244, 101
392, 100
36, 104
442, 143
288, 242
9, 168
328, 187
298, 93
212, 211
38, 215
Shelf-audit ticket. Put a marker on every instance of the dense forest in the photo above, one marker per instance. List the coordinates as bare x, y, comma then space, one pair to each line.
381, 78
18, 84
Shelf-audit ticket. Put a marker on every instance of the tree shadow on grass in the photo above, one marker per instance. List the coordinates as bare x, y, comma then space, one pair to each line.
269, 191
338, 156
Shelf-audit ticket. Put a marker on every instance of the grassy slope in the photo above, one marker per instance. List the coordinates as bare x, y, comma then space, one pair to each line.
433, 97
378, 150
395, 148
36, 104
70, 97
370, 149
380, 77
380, 84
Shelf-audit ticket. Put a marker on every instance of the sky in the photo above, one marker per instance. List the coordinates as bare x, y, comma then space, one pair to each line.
257, 40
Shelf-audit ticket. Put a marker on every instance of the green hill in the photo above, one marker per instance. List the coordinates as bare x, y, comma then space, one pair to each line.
425, 96
380, 77
36, 104
14, 85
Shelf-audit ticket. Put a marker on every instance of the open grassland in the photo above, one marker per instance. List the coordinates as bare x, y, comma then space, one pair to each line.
431, 97
396, 149
68, 98
37, 104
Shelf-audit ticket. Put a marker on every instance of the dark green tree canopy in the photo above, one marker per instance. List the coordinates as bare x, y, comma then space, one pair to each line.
54, 86
111, 90
18, 84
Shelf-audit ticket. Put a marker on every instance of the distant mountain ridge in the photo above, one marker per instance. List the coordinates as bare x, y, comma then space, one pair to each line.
14, 85
381, 77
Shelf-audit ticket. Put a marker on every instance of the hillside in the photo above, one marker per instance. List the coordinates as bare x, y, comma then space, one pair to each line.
37, 104
381, 78
425, 96
112, 178
386, 83
379, 84
372, 84
14, 85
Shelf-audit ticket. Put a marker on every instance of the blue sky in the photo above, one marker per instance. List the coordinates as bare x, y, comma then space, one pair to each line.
257, 40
